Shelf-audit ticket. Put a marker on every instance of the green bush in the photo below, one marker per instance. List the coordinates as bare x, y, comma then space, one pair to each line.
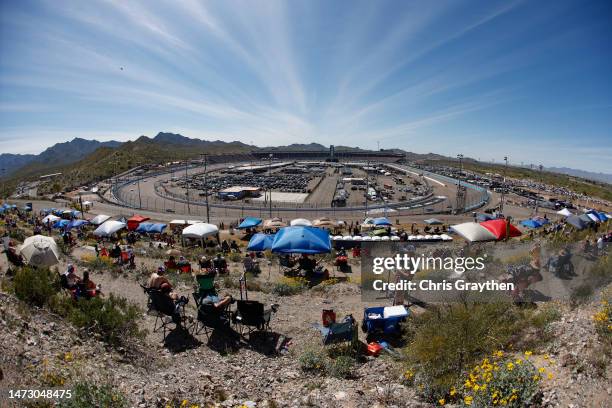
290, 286
443, 343
312, 360
35, 286
341, 366
235, 257
113, 318
90, 395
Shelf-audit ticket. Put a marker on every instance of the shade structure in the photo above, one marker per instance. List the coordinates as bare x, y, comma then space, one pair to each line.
157, 228
260, 242
274, 223
586, 219
501, 228
200, 230
40, 250
531, 224
109, 228
602, 217
381, 221
433, 221
143, 227
99, 219
300, 222
76, 224
473, 232
249, 222
593, 217
133, 222
301, 240
50, 219
576, 222
324, 222
564, 212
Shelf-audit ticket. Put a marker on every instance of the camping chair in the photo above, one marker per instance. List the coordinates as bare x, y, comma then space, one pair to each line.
165, 310
206, 286
345, 331
209, 317
252, 316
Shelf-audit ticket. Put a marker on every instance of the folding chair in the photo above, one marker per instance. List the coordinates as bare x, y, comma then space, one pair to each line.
345, 331
252, 316
165, 310
209, 317
206, 285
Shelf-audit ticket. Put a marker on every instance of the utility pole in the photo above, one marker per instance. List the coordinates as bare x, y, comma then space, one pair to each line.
503, 193
540, 167
206, 186
270, 182
367, 188
139, 197
460, 201
187, 187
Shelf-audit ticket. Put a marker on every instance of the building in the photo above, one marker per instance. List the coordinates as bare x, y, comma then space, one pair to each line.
238, 192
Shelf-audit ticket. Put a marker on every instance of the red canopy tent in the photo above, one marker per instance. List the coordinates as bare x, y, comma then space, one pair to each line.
133, 222
500, 228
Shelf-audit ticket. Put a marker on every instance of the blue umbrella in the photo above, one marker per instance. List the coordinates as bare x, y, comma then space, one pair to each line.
260, 242
61, 224
301, 240
531, 224
249, 222
144, 227
156, 228
76, 223
381, 221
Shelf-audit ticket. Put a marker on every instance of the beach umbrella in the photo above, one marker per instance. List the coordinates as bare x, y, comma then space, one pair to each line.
109, 228
61, 224
249, 222
144, 227
40, 250
301, 240
300, 222
324, 222
50, 218
260, 242
274, 223
473, 232
76, 224
381, 221
157, 228
99, 219
531, 224
433, 221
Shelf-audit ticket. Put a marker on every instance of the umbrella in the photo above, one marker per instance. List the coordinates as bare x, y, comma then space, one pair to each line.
76, 224
433, 221
108, 228
576, 221
274, 223
324, 222
99, 219
200, 230
381, 221
531, 224
50, 218
300, 222
249, 222
39, 250
260, 242
144, 227
157, 228
61, 224
301, 240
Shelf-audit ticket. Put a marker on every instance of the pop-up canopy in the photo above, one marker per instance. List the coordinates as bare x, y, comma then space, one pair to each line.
249, 222
564, 212
260, 242
133, 222
99, 219
200, 230
301, 240
108, 228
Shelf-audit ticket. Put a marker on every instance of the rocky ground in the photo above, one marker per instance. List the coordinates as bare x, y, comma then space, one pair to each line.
39, 349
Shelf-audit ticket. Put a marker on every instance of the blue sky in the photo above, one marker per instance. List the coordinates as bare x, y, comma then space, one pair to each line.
527, 79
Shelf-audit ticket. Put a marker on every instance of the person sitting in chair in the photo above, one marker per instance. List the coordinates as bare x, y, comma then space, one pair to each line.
220, 264
160, 282
182, 261
87, 288
225, 247
205, 263
72, 279
250, 265
306, 264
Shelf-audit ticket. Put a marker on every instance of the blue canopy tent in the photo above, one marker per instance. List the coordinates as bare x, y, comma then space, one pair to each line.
249, 222
143, 227
381, 221
157, 228
76, 223
301, 240
603, 217
531, 224
260, 242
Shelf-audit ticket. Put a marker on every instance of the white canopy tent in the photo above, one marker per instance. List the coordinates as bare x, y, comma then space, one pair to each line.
564, 212
99, 219
40, 250
200, 230
109, 228
50, 218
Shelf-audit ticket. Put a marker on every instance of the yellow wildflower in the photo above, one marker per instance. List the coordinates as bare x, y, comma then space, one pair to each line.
453, 392
542, 370
550, 376
468, 400
442, 401
510, 366
528, 353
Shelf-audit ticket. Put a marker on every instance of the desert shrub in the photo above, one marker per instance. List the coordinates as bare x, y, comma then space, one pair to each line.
313, 360
17, 234
603, 321
340, 367
97, 263
499, 381
35, 286
90, 395
290, 286
235, 257
442, 343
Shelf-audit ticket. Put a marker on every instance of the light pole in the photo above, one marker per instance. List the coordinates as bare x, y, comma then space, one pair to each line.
206, 186
503, 193
139, 197
367, 188
270, 181
187, 188
540, 167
